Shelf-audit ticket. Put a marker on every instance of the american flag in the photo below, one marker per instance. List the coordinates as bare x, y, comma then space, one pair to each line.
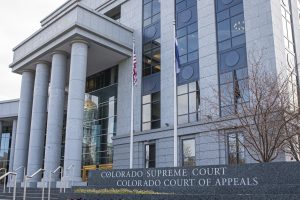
134, 67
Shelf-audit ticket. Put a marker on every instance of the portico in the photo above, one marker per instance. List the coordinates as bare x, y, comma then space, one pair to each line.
74, 42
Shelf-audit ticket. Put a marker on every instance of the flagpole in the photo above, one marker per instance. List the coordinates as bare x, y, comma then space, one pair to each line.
175, 100
131, 113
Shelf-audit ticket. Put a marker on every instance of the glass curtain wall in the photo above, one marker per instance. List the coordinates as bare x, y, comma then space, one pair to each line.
232, 56
188, 94
289, 51
100, 117
151, 64
151, 41
5, 146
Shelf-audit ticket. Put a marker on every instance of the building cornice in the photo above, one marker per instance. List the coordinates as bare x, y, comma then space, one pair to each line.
71, 7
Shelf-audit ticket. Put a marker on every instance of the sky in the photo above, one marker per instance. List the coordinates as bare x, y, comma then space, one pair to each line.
18, 20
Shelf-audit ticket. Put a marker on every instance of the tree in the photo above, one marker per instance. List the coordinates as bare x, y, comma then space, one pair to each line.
264, 108
292, 145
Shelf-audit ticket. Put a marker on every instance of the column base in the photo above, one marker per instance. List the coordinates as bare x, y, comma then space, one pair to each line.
11, 184
46, 184
29, 184
69, 184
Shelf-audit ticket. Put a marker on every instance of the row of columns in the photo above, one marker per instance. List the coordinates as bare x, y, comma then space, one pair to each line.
33, 115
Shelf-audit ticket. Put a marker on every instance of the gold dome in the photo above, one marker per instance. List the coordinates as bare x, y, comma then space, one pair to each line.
89, 105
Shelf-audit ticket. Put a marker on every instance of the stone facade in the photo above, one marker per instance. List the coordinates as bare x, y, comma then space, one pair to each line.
78, 40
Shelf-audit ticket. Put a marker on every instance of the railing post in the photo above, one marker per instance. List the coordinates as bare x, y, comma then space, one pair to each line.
10, 181
64, 184
61, 178
43, 188
49, 186
24, 173
25, 188
28, 177
4, 183
7, 174
15, 188
73, 173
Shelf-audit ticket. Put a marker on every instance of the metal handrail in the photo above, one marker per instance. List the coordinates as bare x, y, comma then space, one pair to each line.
20, 167
50, 176
68, 169
29, 177
15, 182
24, 170
4, 184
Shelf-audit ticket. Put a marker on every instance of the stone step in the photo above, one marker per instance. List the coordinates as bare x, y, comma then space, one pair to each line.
30, 195
28, 198
186, 197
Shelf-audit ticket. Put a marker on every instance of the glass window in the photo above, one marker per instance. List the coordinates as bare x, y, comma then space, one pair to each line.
151, 111
150, 155
232, 60
224, 30
100, 117
183, 104
147, 113
151, 58
147, 10
236, 151
187, 32
288, 37
224, 45
193, 42
114, 13
151, 35
188, 152
5, 146
237, 25
182, 46
188, 102
239, 40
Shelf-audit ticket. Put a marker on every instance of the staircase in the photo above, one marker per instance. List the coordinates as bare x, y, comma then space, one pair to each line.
31, 194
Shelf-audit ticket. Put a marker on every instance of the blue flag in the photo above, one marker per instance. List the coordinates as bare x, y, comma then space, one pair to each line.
177, 61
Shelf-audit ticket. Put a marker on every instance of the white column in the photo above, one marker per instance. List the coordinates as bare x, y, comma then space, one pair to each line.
23, 127
12, 145
74, 132
38, 120
55, 112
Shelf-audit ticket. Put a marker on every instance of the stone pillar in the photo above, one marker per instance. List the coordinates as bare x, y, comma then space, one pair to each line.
55, 113
74, 132
12, 145
38, 120
23, 127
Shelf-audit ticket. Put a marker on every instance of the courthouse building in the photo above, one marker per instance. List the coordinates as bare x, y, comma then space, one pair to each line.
75, 102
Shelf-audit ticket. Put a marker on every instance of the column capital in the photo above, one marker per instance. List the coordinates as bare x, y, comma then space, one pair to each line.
79, 40
42, 62
27, 70
60, 52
